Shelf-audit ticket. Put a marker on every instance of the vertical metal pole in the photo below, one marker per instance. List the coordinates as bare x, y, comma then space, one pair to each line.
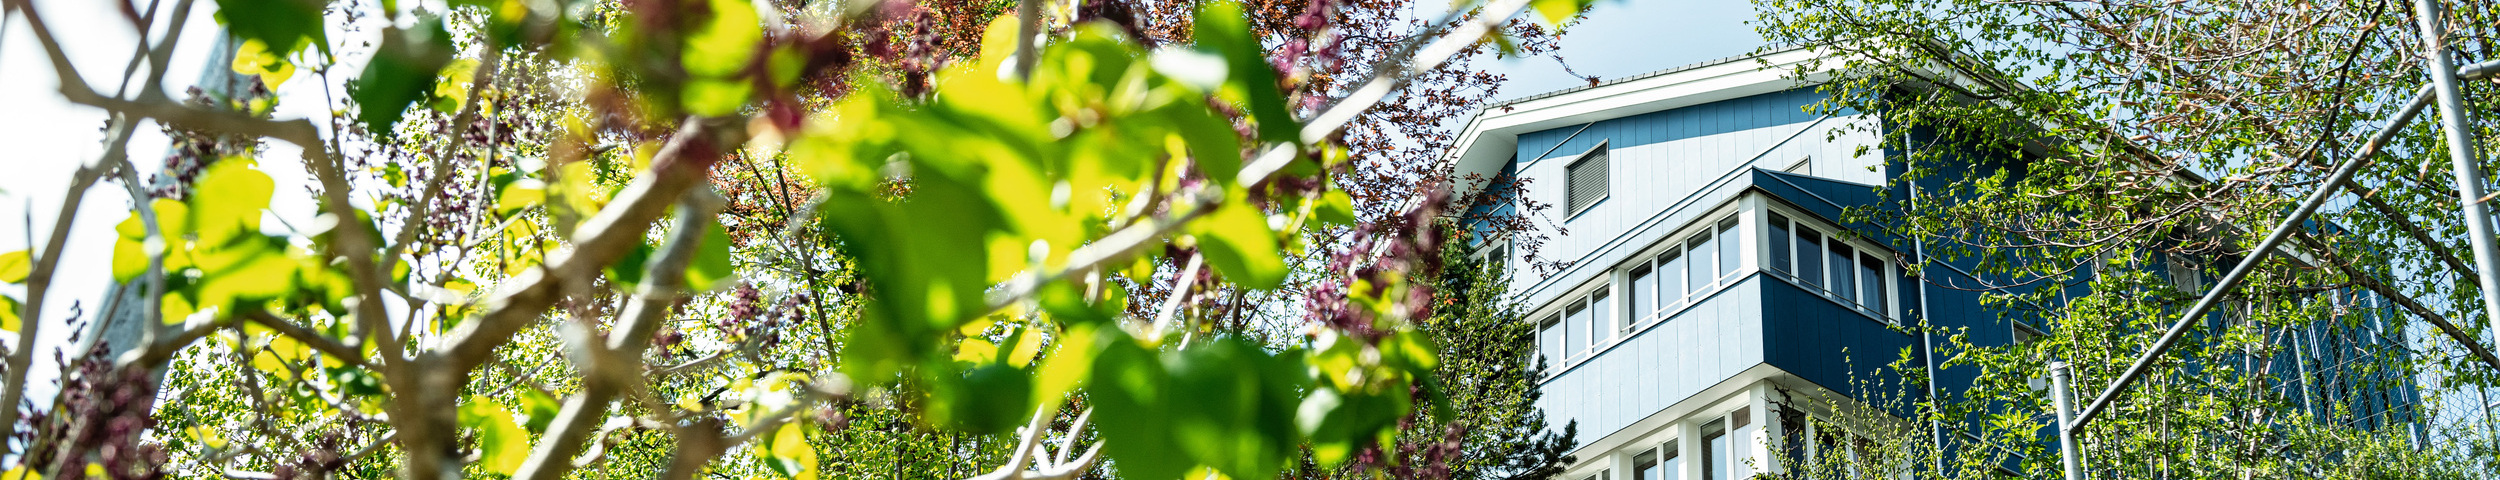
2469, 174
1926, 337
2066, 448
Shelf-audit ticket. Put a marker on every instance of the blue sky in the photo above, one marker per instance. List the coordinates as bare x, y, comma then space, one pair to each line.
1620, 38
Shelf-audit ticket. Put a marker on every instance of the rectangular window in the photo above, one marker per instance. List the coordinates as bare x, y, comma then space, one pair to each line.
1497, 259
1731, 252
1779, 244
1588, 179
1698, 249
1671, 278
1576, 324
1670, 462
1644, 291
1645, 466
1601, 318
1713, 449
1550, 340
1871, 284
1809, 256
1843, 282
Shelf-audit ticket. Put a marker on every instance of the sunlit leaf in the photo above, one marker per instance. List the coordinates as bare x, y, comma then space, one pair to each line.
976, 351
1068, 365
14, 266
1555, 13
1334, 207
9, 318
538, 407
714, 97
255, 58
788, 452
451, 89
725, 45
228, 201
502, 444
1237, 242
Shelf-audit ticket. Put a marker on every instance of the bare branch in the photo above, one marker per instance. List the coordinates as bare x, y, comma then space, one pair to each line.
340, 351
617, 361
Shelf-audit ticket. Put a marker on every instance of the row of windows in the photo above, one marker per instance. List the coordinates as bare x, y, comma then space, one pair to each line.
1722, 452
1685, 271
1828, 265
1704, 262
1721, 456
1698, 265
1577, 329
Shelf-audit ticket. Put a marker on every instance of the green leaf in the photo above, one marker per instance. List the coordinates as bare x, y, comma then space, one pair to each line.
538, 407
403, 71
451, 89
788, 452
626, 273
725, 45
255, 58
1334, 207
1237, 242
1065, 368
1128, 380
252, 268
9, 319
355, 381
14, 266
1212, 142
1239, 406
281, 25
228, 201
990, 398
502, 444
714, 97
130, 255
1222, 27
711, 267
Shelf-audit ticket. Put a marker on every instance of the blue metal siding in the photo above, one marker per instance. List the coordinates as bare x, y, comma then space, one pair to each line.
1474, 221
1827, 343
1738, 114
1697, 348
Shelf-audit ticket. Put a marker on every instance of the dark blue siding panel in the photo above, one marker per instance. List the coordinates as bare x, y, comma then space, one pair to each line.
1825, 343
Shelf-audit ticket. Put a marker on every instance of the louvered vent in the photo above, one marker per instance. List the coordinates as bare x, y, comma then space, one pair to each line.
1588, 180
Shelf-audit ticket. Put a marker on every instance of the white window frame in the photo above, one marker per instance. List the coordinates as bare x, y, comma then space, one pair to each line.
1677, 243
1573, 354
1859, 250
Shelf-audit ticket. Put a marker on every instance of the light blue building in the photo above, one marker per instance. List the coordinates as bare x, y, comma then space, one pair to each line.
1709, 276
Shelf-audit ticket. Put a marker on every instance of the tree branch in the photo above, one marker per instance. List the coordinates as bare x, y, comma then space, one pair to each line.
616, 361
